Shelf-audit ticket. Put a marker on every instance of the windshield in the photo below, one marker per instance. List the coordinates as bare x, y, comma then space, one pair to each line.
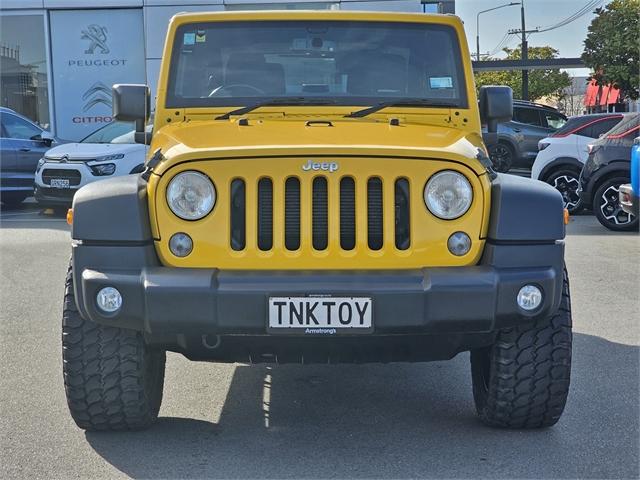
110, 133
344, 62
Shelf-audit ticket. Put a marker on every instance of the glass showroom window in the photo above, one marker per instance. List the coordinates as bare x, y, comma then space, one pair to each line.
23, 66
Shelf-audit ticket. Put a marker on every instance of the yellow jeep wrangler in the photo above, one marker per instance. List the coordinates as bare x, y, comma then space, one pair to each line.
318, 190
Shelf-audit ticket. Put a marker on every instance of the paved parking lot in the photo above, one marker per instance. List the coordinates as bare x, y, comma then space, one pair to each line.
371, 421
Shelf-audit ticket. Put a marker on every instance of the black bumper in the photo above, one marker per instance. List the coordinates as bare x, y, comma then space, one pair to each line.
161, 300
54, 196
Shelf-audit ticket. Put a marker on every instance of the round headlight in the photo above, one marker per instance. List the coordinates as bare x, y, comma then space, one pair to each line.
448, 194
191, 195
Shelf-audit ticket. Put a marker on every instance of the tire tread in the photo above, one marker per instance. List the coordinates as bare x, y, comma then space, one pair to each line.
529, 377
112, 380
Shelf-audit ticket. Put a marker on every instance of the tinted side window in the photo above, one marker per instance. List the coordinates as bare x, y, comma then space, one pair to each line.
18, 128
599, 128
530, 116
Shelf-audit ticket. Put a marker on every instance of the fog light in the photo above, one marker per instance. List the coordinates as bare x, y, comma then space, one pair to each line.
529, 297
181, 244
109, 300
459, 243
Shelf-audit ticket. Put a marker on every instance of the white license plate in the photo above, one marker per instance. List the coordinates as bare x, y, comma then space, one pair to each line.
60, 182
320, 315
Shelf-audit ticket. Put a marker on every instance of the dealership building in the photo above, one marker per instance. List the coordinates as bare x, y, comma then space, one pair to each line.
59, 58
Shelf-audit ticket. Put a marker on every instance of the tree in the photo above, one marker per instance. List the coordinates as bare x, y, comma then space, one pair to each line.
611, 46
542, 83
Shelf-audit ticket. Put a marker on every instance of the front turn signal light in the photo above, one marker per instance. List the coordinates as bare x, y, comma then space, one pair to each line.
566, 216
70, 216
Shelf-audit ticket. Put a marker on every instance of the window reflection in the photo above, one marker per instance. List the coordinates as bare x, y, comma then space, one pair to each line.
23, 67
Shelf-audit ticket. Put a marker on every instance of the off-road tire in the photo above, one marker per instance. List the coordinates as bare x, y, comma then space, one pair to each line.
522, 381
609, 189
112, 379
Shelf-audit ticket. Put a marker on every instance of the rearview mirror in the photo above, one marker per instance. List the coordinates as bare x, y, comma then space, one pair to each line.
496, 106
132, 103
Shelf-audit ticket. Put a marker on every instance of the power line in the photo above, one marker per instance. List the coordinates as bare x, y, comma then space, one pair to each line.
590, 6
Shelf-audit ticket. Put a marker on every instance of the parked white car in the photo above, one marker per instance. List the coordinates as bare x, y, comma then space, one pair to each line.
561, 156
108, 152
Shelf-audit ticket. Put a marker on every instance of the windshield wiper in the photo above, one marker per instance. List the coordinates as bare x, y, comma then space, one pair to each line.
275, 102
401, 102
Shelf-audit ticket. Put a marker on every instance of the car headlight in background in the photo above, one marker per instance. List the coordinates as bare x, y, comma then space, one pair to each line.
103, 169
542, 146
40, 164
191, 195
448, 194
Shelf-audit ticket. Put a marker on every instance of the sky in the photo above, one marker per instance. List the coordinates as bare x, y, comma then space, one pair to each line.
538, 13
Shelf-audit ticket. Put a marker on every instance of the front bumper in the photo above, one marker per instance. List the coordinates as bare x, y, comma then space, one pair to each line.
160, 300
54, 196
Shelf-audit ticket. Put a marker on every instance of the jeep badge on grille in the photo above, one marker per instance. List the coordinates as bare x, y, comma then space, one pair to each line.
325, 166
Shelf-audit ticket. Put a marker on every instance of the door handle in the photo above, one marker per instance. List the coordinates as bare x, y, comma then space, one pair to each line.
24, 149
517, 130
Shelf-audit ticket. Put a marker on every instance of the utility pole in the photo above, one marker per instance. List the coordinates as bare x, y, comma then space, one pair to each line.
524, 55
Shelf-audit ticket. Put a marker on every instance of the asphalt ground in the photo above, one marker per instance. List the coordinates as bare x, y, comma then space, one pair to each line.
362, 421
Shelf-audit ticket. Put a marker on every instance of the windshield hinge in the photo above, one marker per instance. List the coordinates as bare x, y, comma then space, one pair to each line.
152, 163
486, 163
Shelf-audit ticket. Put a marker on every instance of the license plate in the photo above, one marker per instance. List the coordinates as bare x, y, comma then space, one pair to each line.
320, 315
60, 182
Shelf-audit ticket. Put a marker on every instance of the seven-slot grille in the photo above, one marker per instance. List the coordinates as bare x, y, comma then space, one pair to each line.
368, 214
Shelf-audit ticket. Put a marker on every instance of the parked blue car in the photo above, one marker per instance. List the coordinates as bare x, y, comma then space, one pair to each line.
22, 144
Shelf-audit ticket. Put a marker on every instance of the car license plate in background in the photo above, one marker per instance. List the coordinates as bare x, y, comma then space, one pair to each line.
60, 182
320, 315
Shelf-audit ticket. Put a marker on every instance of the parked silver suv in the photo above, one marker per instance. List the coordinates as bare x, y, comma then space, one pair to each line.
517, 145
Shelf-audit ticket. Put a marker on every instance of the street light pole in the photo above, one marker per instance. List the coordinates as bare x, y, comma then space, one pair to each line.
478, 24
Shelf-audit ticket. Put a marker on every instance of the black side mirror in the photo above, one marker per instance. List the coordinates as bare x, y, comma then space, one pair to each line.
44, 137
132, 103
496, 106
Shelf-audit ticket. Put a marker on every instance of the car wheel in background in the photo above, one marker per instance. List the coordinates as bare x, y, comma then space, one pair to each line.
12, 199
502, 156
607, 208
566, 181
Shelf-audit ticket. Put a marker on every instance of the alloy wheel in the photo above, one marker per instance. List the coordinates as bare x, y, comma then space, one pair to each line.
567, 185
611, 209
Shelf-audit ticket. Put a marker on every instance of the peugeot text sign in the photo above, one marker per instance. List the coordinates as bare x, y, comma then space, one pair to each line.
92, 50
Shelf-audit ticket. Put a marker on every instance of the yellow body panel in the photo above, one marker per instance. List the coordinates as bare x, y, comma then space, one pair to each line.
276, 143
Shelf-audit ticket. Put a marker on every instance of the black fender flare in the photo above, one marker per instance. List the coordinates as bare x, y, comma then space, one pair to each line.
571, 162
112, 211
525, 211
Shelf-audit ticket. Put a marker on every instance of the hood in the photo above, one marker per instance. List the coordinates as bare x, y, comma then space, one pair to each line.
263, 137
90, 151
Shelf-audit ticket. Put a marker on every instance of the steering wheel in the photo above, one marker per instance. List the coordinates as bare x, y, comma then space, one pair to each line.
229, 89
